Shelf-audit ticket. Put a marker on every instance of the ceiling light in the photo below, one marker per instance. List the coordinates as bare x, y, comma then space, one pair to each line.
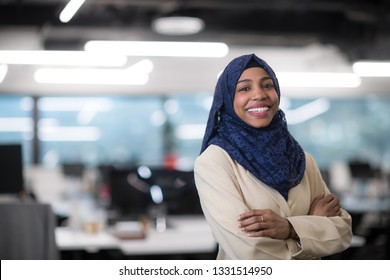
155, 48
73, 58
177, 25
372, 68
89, 77
327, 80
70, 10
137, 74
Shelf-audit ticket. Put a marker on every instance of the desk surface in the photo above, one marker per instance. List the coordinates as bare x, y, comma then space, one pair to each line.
363, 205
187, 234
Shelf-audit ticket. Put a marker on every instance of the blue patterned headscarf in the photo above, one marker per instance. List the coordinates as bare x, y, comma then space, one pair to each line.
271, 154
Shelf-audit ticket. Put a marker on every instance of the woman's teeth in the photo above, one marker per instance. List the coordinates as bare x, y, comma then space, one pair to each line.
260, 109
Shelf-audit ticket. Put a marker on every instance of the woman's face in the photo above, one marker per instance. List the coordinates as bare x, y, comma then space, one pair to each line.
255, 100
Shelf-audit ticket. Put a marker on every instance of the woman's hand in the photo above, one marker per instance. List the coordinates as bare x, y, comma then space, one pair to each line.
325, 205
264, 223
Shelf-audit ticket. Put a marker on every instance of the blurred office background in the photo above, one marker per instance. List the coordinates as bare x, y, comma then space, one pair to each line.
88, 114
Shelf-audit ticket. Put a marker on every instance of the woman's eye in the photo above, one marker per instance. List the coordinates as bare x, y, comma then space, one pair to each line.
246, 88
268, 85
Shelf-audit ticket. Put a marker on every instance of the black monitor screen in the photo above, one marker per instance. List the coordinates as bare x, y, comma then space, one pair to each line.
361, 170
179, 191
73, 169
11, 169
130, 192
129, 195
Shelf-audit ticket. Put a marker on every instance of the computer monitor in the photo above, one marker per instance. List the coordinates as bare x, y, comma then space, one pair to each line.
131, 191
11, 169
130, 196
74, 170
178, 189
361, 170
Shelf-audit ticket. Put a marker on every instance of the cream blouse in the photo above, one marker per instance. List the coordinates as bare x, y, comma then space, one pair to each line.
226, 190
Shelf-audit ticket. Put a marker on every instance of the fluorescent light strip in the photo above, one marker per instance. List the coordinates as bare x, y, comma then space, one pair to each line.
326, 80
76, 104
16, 124
138, 74
154, 48
177, 25
372, 68
70, 10
3, 72
69, 133
67, 58
89, 77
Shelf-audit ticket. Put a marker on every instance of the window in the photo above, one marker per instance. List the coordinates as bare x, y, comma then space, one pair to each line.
187, 115
100, 130
126, 130
16, 123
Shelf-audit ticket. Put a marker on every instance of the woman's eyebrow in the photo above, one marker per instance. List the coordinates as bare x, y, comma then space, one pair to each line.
244, 81
265, 79
250, 80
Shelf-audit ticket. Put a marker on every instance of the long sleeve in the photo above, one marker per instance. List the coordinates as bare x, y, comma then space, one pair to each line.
219, 184
320, 236
226, 190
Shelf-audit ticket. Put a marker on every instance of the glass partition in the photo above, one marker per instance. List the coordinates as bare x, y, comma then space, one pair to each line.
100, 130
127, 130
16, 123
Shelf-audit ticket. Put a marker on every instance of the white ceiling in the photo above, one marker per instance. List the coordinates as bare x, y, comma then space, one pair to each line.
189, 75
305, 36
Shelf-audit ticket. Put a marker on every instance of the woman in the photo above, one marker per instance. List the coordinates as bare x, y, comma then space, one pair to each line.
261, 194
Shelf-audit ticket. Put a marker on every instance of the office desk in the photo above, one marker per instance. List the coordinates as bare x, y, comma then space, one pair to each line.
186, 235
363, 205
68, 239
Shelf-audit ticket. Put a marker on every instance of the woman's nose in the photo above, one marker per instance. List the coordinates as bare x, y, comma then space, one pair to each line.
259, 93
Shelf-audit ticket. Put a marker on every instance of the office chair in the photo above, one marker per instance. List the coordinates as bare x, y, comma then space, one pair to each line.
27, 231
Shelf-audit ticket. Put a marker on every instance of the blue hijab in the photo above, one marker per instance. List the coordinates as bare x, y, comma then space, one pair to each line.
271, 154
